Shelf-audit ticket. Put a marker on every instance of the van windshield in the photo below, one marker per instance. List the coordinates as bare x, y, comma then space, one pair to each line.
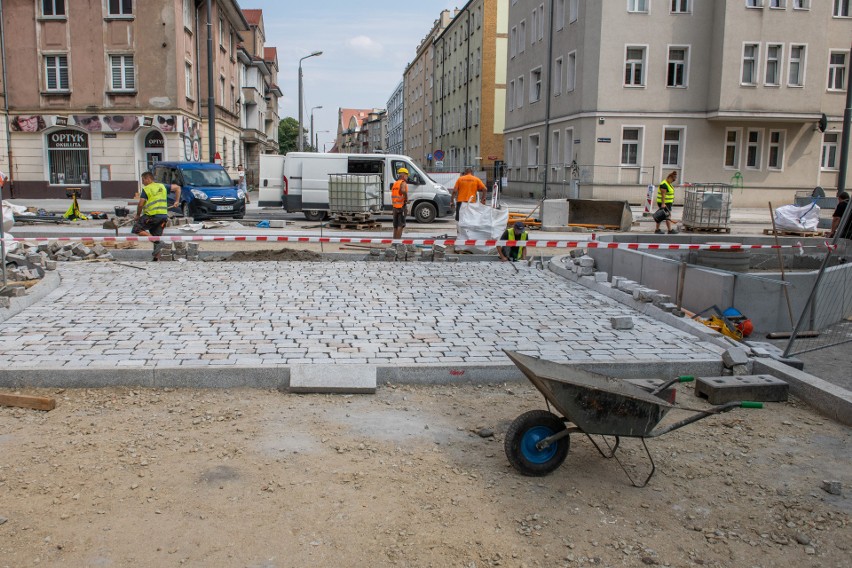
207, 178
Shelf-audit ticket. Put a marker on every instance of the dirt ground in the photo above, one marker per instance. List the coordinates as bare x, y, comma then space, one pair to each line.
281, 255
118, 477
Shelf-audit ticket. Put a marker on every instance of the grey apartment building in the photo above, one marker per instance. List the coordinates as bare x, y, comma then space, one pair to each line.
606, 97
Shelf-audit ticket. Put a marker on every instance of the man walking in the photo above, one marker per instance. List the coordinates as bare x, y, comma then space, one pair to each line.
399, 200
241, 173
665, 201
152, 212
467, 187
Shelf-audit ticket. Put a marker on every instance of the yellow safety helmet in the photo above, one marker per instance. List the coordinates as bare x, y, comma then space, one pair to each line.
401, 171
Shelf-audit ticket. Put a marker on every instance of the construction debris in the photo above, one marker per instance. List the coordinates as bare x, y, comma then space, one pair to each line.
25, 401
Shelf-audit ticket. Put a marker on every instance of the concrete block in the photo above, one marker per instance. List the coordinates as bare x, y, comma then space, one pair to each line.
577, 253
554, 214
791, 361
586, 271
601, 277
736, 356
758, 388
586, 262
277, 223
356, 379
622, 322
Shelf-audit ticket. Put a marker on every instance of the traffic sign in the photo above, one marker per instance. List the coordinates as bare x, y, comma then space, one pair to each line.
439, 155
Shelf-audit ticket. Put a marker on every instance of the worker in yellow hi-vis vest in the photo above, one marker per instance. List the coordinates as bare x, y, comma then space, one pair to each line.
152, 212
665, 201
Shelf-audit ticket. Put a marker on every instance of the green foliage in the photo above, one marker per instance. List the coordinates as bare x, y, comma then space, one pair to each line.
288, 140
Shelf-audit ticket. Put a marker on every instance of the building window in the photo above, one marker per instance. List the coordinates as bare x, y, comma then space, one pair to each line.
573, 10
569, 149
776, 150
672, 147
221, 33
187, 14
681, 7
513, 42
634, 67
630, 146
222, 91
796, 70
56, 73
676, 75
837, 71
801, 4
122, 73
560, 14
533, 25
510, 155
532, 156
842, 8
188, 78
754, 149
750, 53
519, 93
732, 149
754, 3
829, 151
571, 72
774, 57
511, 96
554, 155
637, 6
120, 8
535, 85
557, 77
68, 157
522, 36
778, 4
55, 8
541, 22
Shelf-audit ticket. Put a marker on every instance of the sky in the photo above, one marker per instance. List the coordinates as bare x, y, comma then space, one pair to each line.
366, 47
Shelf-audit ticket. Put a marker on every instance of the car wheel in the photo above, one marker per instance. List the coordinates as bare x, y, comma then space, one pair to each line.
425, 212
315, 215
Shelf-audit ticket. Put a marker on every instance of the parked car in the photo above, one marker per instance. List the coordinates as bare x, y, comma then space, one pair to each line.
207, 191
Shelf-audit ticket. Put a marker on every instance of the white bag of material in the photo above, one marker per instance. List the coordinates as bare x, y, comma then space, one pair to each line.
9, 212
797, 219
480, 222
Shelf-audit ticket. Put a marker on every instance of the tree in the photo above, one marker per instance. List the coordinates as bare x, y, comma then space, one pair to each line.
288, 140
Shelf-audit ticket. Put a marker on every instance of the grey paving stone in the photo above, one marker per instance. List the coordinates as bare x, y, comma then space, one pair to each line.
356, 379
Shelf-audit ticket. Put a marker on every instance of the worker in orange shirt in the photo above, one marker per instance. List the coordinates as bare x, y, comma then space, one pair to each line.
466, 189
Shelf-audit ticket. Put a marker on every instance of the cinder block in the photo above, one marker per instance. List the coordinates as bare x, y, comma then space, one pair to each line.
759, 388
354, 379
601, 277
736, 356
660, 299
277, 223
586, 271
622, 322
587, 262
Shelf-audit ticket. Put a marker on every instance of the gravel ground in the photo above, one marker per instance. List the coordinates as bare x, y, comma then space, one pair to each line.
117, 477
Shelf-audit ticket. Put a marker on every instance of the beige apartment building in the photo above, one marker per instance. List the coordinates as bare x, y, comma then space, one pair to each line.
419, 87
470, 94
97, 94
605, 98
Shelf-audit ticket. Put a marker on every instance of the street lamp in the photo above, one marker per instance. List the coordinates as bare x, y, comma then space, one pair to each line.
301, 145
316, 143
316, 148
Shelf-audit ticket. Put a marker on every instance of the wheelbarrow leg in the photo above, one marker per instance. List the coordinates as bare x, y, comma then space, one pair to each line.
611, 453
627, 473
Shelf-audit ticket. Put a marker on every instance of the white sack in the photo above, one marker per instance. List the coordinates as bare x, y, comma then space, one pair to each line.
9, 212
480, 222
798, 219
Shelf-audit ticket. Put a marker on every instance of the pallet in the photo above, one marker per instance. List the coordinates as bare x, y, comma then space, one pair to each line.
111, 245
794, 233
355, 226
351, 217
706, 229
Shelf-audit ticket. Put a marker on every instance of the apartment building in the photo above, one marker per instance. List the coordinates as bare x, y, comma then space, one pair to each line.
259, 94
375, 132
349, 124
470, 75
419, 87
605, 98
396, 120
98, 94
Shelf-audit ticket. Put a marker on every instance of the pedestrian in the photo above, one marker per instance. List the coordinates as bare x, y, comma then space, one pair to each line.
152, 212
467, 187
242, 182
844, 234
518, 232
399, 200
665, 201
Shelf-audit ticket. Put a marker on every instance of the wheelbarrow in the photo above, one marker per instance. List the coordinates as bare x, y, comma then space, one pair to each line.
537, 441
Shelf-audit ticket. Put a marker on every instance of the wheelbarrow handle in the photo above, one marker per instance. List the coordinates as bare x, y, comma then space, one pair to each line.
704, 414
667, 384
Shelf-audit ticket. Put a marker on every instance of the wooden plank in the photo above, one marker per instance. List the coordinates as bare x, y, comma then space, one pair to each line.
26, 401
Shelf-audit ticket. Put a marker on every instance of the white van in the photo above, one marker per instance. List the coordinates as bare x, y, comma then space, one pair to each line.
306, 183
271, 184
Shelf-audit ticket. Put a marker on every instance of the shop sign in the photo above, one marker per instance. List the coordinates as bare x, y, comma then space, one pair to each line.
68, 140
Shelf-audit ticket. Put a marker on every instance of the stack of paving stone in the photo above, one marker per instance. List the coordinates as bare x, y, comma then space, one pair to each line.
180, 251
403, 253
581, 263
30, 259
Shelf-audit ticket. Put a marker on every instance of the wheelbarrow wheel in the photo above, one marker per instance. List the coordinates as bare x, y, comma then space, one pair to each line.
526, 431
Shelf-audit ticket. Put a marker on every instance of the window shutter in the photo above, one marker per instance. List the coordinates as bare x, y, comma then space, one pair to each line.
129, 72
116, 71
63, 72
50, 72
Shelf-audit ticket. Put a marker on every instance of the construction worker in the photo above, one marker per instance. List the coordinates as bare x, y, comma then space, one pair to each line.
152, 212
399, 199
518, 232
665, 201
467, 187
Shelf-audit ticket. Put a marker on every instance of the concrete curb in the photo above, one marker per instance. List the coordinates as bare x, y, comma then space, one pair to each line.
832, 401
48, 284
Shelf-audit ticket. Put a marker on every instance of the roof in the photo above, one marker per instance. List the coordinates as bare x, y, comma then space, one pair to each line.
270, 54
347, 114
253, 17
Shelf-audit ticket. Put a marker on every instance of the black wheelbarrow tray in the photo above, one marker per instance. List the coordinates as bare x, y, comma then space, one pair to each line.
537, 442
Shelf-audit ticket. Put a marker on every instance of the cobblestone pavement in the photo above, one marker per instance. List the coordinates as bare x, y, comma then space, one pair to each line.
268, 314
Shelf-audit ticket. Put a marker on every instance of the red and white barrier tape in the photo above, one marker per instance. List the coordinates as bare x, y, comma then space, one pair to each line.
427, 242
